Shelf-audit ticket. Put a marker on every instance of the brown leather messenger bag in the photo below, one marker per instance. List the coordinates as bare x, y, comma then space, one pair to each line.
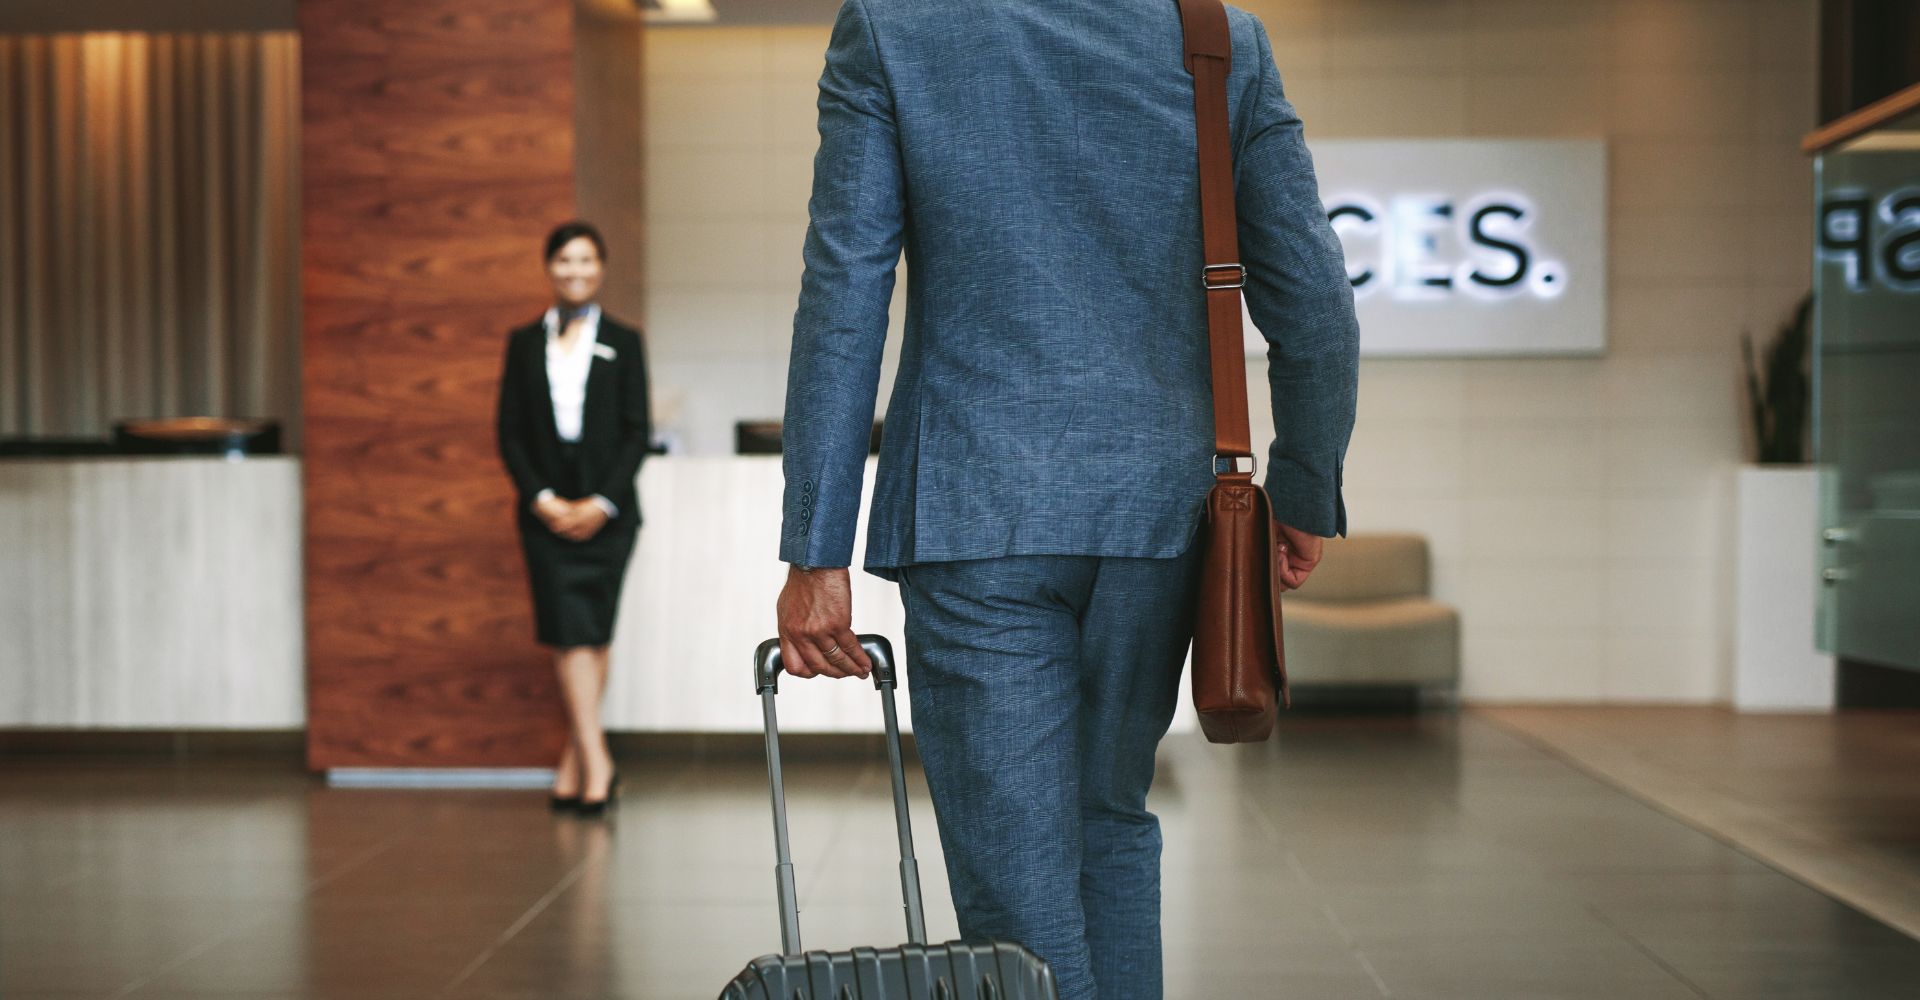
1239, 666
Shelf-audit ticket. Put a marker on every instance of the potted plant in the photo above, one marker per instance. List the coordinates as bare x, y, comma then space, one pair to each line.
1777, 572
1780, 390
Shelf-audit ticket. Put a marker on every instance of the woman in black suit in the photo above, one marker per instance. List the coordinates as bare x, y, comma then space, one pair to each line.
574, 428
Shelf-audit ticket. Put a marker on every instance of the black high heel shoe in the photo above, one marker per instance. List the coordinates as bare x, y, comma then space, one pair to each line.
563, 803
593, 810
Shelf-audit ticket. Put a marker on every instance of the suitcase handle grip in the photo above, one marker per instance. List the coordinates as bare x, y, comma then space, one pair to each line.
766, 682
767, 663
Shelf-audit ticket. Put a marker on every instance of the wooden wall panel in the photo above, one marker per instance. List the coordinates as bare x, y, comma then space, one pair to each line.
437, 151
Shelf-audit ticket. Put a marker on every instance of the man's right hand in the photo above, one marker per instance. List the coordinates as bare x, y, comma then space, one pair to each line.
1299, 554
815, 620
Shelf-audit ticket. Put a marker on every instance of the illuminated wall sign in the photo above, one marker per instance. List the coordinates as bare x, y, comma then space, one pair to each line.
1873, 239
1470, 247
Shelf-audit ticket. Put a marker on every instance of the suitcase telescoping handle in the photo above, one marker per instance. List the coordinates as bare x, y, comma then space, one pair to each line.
766, 680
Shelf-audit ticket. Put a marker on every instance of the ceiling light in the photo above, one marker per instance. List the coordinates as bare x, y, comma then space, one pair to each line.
679, 11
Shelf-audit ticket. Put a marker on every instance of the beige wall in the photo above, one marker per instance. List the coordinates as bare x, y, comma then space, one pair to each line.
1578, 509
609, 146
730, 142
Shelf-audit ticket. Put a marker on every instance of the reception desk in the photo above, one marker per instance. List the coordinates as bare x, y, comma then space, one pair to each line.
165, 593
150, 593
700, 595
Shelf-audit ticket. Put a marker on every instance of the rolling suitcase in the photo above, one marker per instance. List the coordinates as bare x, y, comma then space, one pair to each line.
957, 970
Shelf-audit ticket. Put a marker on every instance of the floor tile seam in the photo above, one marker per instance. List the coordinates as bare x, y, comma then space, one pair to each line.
533, 912
1565, 897
1647, 780
350, 864
1347, 937
1625, 773
1251, 806
1870, 869
239, 926
1373, 974
1675, 763
843, 818
1354, 951
1645, 949
1595, 761
1773, 859
1476, 822
1314, 888
1759, 818
684, 776
228, 934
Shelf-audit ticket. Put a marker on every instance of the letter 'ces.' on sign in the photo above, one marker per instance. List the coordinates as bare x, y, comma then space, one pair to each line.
1470, 247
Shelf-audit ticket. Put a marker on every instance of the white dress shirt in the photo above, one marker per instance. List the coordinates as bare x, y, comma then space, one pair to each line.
567, 370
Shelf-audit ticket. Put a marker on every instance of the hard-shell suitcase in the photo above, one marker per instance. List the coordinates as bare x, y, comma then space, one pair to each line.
957, 970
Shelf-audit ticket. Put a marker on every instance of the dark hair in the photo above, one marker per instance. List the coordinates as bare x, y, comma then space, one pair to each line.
567, 232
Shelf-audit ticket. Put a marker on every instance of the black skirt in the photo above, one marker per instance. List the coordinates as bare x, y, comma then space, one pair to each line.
576, 585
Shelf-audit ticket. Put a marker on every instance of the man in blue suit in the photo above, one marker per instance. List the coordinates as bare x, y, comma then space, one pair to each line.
1049, 442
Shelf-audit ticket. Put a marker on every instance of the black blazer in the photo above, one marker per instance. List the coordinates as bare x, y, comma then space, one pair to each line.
616, 425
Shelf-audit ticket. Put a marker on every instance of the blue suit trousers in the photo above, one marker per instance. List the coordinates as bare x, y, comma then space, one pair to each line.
1041, 686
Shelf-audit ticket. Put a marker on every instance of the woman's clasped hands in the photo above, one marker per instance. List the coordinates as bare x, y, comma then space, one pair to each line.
573, 520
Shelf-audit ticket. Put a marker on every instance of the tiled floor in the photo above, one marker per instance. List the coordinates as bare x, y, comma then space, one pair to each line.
1405, 858
1833, 799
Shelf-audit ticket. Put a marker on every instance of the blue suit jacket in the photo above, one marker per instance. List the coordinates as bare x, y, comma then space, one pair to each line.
1035, 161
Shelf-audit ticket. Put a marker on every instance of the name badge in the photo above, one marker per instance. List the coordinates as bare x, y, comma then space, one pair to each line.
605, 351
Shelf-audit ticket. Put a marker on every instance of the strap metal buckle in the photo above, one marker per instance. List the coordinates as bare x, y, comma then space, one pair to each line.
1233, 464
1207, 274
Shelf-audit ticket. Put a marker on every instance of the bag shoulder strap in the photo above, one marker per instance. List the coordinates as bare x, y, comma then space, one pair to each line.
1209, 55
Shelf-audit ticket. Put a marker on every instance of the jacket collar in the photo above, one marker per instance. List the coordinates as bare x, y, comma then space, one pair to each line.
551, 320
